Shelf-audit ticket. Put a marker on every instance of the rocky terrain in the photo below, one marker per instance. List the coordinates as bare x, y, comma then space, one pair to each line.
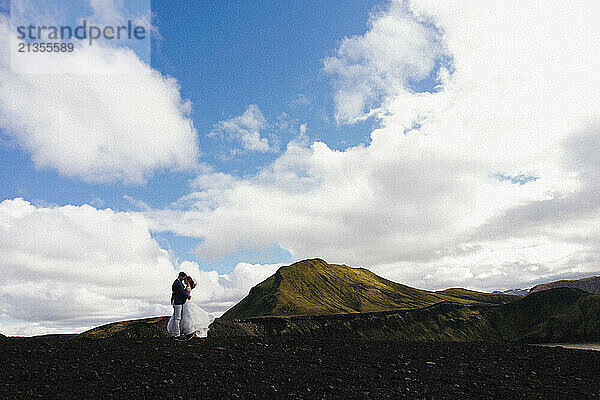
591, 285
291, 368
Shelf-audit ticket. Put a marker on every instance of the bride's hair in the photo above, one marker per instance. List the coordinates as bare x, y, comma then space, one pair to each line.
190, 282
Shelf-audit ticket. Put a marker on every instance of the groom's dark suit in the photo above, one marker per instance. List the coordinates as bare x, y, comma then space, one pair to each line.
179, 295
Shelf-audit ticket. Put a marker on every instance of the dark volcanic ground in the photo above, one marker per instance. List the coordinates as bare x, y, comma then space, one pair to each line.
299, 368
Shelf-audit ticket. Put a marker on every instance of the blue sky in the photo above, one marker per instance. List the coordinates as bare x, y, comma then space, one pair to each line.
225, 56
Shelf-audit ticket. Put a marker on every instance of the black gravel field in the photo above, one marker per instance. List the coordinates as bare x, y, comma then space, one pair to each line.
291, 368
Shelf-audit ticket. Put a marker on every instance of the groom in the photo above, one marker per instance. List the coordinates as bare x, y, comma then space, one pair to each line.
178, 298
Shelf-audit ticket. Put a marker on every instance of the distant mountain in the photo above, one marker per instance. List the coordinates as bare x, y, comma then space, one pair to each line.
155, 327
553, 315
514, 292
479, 297
314, 287
556, 315
591, 285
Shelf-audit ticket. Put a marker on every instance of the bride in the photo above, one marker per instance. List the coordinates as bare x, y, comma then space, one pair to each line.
194, 320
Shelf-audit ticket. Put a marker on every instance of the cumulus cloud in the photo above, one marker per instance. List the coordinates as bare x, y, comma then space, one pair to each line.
245, 129
99, 114
422, 203
399, 49
69, 268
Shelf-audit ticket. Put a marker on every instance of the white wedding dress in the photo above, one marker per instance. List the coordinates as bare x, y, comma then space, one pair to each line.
195, 320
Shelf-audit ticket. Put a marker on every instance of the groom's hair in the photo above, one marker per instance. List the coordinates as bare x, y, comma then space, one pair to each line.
181, 275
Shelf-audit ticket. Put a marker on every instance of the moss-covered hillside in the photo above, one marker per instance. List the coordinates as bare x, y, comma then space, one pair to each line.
155, 327
313, 287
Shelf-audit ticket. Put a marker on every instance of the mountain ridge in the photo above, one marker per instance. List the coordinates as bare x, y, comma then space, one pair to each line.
590, 284
313, 287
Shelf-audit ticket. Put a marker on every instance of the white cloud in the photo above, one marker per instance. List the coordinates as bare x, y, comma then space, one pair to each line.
422, 203
399, 48
70, 268
246, 129
98, 114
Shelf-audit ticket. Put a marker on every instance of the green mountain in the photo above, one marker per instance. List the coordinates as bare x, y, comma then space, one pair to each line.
316, 298
591, 285
313, 287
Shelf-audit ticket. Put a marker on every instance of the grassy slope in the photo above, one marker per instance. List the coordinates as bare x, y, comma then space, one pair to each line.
313, 287
137, 328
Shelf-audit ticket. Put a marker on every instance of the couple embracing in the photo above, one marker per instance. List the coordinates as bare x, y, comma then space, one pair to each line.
188, 320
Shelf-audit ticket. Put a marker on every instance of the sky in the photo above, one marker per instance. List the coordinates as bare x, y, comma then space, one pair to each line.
436, 145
